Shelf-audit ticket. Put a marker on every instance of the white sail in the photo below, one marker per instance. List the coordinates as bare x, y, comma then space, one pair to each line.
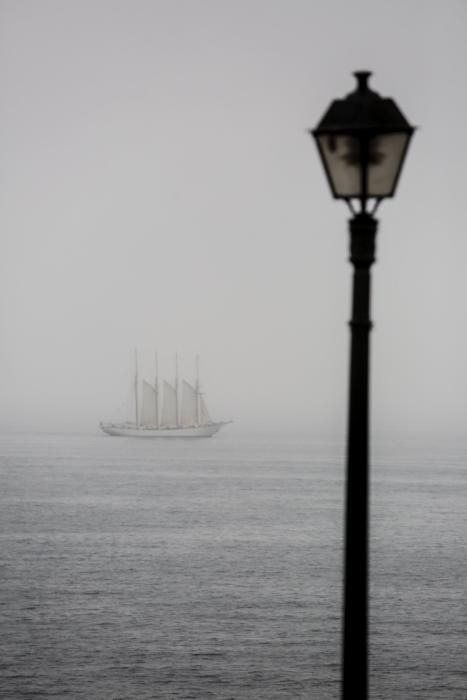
136, 390
204, 417
148, 417
169, 405
189, 397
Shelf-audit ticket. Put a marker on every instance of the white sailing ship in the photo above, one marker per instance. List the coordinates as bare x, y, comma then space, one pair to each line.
187, 419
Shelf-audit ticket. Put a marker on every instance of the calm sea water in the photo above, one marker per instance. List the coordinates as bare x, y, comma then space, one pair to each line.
212, 568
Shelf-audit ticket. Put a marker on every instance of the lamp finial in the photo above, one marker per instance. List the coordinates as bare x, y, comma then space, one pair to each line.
362, 77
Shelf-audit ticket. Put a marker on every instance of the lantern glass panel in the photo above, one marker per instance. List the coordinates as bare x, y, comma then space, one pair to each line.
342, 160
385, 155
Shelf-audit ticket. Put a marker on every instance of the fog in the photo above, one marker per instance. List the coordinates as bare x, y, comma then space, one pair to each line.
160, 191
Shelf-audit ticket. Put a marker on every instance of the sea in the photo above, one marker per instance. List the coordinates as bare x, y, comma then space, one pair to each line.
212, 568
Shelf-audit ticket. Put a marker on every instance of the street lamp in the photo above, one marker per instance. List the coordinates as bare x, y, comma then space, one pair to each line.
362, 140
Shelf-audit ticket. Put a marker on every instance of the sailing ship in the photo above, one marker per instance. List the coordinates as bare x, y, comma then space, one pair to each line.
187, 419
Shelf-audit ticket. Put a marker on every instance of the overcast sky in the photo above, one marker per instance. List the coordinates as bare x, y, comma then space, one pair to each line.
159, 190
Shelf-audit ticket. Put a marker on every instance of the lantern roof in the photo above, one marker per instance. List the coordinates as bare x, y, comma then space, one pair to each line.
363, 111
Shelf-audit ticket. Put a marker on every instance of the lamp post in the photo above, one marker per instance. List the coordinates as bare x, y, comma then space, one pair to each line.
362, 140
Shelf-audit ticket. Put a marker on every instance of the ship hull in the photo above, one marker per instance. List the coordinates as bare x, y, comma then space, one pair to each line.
197, 431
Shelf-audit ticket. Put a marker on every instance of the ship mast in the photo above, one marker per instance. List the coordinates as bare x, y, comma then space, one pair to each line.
197, 392
177, 422
136, 389
156, 392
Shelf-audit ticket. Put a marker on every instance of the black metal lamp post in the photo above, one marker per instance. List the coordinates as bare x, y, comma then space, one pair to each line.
362, 140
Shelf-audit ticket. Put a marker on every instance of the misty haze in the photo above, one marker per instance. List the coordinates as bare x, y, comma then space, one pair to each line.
161, 192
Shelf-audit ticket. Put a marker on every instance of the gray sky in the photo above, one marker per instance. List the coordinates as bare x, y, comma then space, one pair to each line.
159, 189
